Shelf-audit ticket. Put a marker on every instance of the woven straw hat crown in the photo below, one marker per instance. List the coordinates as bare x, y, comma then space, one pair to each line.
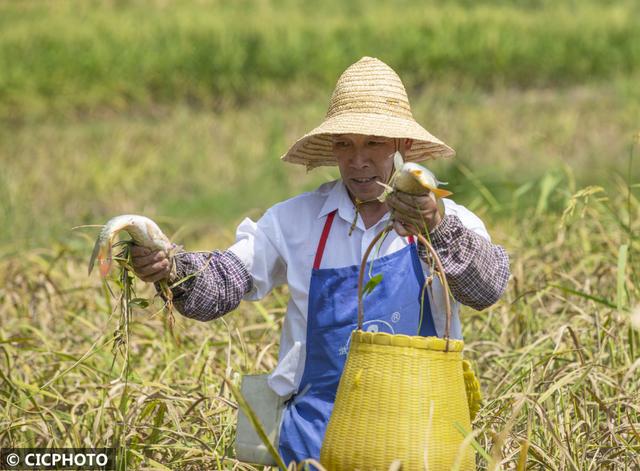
369, 99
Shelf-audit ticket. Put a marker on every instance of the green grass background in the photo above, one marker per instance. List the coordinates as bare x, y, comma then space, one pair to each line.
181, 109
76, 55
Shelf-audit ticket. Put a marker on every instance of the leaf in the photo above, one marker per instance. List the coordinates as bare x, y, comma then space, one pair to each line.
558, 385
157, 423
371, 284
522, 189
482, 189
474, 442
140, 302
622, 265
16, 339
548, 183
635, 317
596, 299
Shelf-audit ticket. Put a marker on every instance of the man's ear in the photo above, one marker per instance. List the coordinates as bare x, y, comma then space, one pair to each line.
408, 143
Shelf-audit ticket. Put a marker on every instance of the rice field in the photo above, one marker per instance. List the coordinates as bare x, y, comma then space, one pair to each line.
548, 156
557, 356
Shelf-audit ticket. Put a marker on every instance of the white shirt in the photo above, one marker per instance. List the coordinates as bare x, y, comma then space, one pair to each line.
281, 247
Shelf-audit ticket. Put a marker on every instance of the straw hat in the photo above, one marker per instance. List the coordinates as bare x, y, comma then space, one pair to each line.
369, 99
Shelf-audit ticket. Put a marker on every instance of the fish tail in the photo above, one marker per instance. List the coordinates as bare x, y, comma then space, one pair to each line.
101, 253
94, 254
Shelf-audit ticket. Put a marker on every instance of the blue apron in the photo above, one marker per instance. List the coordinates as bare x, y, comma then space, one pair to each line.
393, 307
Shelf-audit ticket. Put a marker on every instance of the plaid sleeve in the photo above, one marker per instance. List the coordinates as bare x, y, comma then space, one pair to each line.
476, 269
219, 281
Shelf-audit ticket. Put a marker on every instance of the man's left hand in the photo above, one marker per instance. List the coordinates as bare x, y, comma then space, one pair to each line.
413, 214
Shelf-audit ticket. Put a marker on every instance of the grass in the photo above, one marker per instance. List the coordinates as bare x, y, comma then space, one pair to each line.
557, 357
202, 170
72, 56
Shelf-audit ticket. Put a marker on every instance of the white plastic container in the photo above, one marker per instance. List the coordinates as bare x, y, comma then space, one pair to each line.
268, 406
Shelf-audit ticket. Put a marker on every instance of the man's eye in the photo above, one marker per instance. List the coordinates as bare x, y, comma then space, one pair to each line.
376, 143
341, 144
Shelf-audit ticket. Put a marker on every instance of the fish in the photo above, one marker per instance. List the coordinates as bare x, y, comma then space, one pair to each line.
143, 231
414, 179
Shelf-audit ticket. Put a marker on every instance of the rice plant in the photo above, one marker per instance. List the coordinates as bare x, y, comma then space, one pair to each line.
557, 356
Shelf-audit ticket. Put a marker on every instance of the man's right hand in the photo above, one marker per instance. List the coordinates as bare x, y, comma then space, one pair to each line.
150, 265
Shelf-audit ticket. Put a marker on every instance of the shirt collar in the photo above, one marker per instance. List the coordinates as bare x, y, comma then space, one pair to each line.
338, 198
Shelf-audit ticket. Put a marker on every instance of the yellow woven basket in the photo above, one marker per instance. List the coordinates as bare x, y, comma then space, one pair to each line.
402, 398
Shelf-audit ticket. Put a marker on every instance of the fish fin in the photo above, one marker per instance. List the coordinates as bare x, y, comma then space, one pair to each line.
104, 259
440, 193
397, 161
422, 178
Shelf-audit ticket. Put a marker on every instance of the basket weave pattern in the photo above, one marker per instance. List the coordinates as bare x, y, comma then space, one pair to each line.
402, 397
399, 402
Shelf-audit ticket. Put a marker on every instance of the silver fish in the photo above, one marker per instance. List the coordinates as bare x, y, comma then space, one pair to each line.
142, 230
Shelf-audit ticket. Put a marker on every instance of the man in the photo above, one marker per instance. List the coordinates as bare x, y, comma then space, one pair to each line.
314, 242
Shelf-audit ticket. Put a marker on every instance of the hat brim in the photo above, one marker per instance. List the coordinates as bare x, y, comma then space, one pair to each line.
315, 149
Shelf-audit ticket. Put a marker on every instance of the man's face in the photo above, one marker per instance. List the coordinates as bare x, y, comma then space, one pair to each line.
365, 160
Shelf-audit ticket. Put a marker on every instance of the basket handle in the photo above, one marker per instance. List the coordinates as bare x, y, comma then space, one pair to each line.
445, 284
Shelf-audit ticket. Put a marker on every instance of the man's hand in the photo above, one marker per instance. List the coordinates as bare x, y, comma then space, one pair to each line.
150, 265
414, 214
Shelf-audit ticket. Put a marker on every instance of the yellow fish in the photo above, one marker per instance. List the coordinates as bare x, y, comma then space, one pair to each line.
413, 179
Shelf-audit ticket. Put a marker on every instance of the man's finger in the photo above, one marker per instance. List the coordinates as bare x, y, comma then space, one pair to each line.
420, 200
400, 229
139, 250
404, 230
412, 207
161, 275
400, 206
144, 260
404, 213
422, 204
153, 268
407, 215
153, 277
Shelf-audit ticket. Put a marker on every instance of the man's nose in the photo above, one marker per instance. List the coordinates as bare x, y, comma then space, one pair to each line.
359, 159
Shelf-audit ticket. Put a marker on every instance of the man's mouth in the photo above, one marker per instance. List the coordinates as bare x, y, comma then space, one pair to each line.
363, 180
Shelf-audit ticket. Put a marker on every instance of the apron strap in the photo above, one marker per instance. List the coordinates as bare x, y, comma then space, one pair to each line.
325, 235
323, 239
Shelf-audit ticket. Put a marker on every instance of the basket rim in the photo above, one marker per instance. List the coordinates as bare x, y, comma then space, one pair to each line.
412, 341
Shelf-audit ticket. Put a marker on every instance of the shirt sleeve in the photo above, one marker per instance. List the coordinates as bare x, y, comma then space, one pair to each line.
477, 270
261, 248
214, 284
